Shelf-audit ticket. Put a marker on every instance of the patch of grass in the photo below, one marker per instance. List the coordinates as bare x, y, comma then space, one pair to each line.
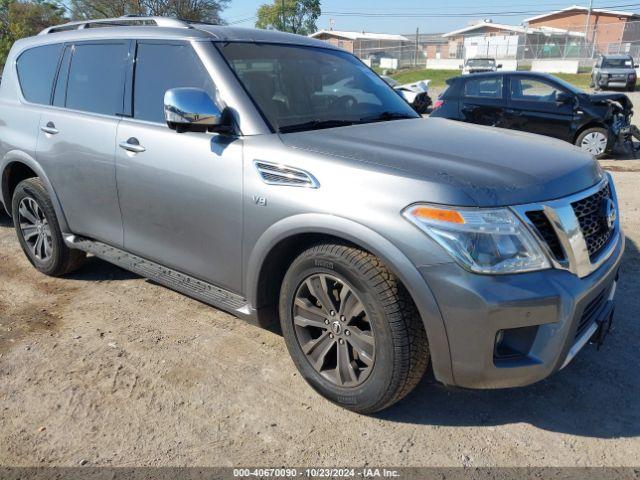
580, 80
438, 77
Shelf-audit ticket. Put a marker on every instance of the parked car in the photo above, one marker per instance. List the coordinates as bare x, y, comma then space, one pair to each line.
618, 71
480, 65
416, 93
538, 103
214, 161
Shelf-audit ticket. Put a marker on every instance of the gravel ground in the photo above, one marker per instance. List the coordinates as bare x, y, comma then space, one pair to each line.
105, 368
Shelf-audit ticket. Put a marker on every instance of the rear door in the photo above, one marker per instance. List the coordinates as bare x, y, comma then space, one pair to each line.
76, 143
483, 100
533, 107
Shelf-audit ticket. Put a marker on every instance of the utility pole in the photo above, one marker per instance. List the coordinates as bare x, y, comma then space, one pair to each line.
415, 57
586, 27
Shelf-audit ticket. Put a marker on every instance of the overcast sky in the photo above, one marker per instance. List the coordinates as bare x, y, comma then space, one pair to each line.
404, 16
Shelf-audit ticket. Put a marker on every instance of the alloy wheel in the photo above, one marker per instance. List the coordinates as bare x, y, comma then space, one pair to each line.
35, 229
334, 330
595, 143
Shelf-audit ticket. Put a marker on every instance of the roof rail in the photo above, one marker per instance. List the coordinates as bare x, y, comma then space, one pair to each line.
125, 21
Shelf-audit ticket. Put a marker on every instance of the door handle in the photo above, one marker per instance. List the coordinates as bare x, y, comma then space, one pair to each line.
50, 128
132, 145
511, 111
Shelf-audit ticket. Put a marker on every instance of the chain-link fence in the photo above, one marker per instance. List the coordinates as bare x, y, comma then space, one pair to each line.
516, 43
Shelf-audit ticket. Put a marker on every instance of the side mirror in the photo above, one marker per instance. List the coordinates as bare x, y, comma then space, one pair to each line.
635, 65
564, 97
192, 109
499, 65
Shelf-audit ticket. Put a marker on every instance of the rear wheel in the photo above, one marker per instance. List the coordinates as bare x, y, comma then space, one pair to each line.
351, 328
38, 231
594, 140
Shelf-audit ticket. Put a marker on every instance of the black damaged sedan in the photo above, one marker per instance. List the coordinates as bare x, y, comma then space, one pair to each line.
539, 103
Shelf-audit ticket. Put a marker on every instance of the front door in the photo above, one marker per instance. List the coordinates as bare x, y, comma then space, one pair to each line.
76, 142
180, 193
533, 107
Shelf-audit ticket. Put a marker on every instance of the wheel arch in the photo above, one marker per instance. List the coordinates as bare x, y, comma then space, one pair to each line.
17, 166
281, 243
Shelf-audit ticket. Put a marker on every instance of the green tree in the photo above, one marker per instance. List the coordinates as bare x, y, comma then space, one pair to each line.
21, 18
299, 17
197, 10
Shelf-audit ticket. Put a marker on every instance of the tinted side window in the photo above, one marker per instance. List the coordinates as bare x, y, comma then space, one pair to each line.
160, 67
96, 78
36, 71
484, 87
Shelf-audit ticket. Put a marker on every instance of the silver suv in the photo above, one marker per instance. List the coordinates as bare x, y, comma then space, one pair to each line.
278, 178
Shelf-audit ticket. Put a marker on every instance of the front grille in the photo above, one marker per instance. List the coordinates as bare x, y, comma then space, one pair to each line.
591, 312
546, 231
591, 216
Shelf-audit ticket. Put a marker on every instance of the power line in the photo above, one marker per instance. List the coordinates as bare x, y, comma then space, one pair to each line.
557, 6
446, 15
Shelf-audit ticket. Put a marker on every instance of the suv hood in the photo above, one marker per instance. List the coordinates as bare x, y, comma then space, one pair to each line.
476, 165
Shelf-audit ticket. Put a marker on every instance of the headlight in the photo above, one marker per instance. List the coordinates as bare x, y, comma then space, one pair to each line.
481, 240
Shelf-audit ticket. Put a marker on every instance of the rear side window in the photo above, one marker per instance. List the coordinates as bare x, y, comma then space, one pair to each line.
96, 78
36, 72
160, 67
484, 88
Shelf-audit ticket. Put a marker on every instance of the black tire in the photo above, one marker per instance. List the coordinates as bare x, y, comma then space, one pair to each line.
631, 88
401, 349
588, 131
61, 260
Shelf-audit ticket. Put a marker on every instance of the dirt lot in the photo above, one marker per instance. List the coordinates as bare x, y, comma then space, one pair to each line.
105, 368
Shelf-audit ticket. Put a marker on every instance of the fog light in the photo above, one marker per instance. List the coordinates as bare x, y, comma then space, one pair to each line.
514, 342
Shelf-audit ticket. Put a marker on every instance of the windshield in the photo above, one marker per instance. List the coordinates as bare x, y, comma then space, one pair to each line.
303, 88
617, 63
481, 62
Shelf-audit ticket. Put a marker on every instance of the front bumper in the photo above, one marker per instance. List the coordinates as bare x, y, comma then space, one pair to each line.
547, 305
605, 82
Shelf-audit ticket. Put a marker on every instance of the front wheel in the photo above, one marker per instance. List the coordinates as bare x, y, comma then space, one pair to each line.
38, 231
594, 140
351, 328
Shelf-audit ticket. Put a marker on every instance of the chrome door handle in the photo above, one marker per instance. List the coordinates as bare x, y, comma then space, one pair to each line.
50, 128
132, 145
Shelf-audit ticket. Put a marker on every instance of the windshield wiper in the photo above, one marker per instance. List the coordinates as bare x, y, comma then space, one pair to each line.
315, 125
385, 116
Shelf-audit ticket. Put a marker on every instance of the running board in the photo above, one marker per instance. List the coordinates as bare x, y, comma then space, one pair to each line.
190, 286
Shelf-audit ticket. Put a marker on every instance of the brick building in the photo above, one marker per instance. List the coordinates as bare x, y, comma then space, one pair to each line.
610, 31
365, 44
489, 39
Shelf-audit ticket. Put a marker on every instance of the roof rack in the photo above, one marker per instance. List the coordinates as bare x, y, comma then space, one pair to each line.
125, 21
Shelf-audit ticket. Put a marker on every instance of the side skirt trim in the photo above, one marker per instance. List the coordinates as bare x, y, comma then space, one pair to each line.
180, 282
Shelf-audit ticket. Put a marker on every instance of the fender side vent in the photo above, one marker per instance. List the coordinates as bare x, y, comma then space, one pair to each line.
277, 174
